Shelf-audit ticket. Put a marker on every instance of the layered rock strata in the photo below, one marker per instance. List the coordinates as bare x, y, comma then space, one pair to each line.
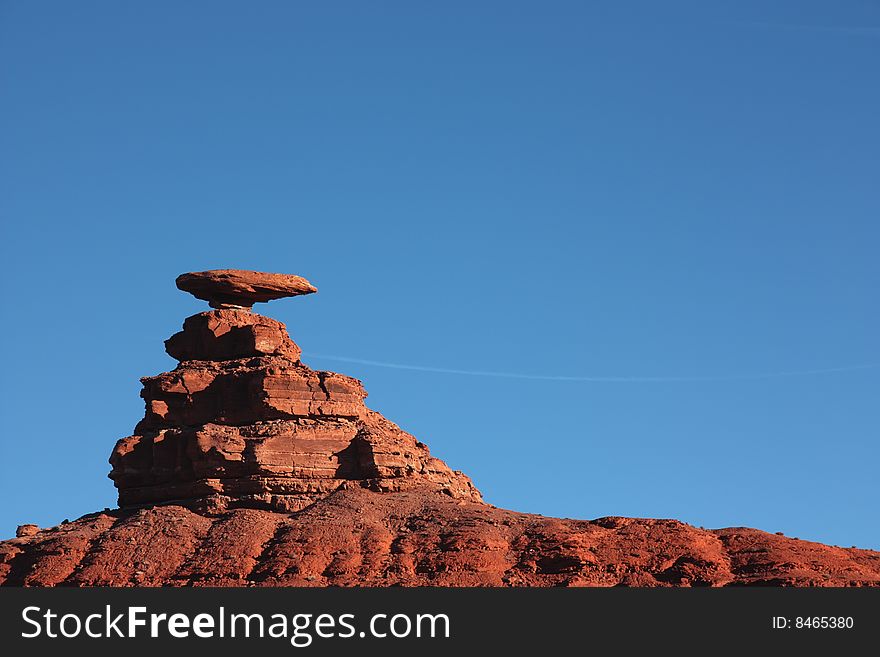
242, 422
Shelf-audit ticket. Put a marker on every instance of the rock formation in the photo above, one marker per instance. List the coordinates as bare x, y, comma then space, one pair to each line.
233, 288
250, 468
242, 422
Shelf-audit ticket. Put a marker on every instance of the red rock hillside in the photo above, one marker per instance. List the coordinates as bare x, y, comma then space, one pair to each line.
251, 469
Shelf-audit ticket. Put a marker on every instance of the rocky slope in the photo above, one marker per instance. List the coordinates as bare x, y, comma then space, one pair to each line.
251, 469
418, 537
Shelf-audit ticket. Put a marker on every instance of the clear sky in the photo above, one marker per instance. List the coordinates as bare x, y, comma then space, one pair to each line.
546, 189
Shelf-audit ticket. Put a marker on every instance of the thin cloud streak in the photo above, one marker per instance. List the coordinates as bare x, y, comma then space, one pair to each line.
828, 29
599, 379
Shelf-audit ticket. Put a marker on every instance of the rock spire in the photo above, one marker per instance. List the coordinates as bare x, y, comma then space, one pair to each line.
242, 422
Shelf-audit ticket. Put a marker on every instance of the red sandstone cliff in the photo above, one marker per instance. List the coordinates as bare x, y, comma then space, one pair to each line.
250, 468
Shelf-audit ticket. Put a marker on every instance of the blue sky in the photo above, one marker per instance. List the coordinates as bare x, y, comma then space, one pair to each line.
549, 189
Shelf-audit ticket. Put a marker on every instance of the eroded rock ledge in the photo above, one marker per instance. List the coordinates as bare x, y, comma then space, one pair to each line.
242, 422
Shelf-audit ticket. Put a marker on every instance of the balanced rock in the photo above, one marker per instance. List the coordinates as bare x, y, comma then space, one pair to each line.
242, 422
236, 288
